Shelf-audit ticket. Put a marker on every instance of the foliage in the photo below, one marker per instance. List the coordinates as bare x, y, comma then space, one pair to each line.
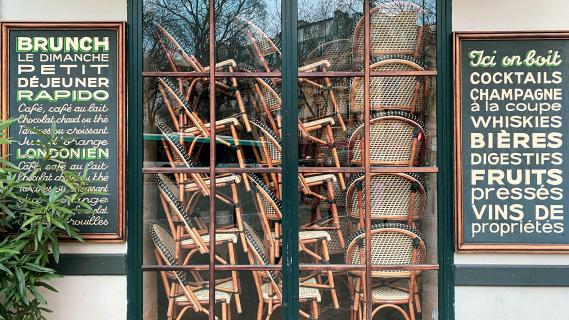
33, 215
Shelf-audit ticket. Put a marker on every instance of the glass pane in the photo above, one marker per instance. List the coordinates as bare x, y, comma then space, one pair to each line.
324, 229
248, 32
157, 303
330, 115
176, 35
325, 34
249, 124
401, 293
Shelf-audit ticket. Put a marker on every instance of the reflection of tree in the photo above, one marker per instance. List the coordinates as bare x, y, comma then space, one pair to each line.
317, 10
188, 21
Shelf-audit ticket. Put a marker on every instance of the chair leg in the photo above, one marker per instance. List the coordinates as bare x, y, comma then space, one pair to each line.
411, 310
417, 299
335, 157
237, 204
335, 104
234, 277
314, 313
334, 210
260, 309
224, 311
240, 158
171, 307
326, 256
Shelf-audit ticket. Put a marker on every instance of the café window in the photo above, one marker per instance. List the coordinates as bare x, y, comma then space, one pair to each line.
289, 166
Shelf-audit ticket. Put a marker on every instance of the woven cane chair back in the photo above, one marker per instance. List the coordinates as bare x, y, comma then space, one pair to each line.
260, 43
272, 142
181, 157
397, 138
337, 52
393, 197
176, 98
334, 245
340, 142
170, 193
166, 246
392, 93
257, 250
176, 56
395, 28
269, 201
392, 244
269, 94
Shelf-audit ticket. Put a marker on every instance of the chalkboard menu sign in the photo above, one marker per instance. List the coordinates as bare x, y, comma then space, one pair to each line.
70, 75
511, 152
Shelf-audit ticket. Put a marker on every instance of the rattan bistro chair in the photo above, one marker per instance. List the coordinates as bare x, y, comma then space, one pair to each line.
312, 243
391, 244
271, 155
395, 28
392, 93
190, 125
182, 293
263, 47
179, 60
397, 138
394, 197
197, 182
191, 233
338, 52
271, 101
269, 283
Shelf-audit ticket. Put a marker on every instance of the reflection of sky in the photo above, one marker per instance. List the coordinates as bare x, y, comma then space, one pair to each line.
314, 10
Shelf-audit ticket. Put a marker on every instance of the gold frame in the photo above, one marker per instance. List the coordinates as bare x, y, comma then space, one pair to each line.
460, 245
119, 27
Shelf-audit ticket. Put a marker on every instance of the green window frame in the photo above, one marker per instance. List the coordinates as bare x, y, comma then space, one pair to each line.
290, 267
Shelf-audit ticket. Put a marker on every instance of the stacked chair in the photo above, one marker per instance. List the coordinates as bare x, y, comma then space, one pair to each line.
327, 107
391, 244
184, 293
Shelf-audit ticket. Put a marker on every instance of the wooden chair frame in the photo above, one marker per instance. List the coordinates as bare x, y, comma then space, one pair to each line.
407, 147
189, 229
271, 151
270, 210
199, 182
414, 254
411, 204
392, 93
271, 281
188, 123
177, 285
306, 129
263, 46
164, 38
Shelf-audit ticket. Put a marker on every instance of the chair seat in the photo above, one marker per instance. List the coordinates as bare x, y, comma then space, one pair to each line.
223, 237
386, 293
320, 178
221, 122
218, 180
315, 65
304, 292
312, 235
319, 122
203, 294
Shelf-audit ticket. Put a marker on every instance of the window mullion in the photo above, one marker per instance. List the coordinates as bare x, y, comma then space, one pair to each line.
290, 159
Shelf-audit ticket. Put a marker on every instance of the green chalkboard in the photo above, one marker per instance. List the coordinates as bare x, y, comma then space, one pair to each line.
71, 74
511, 120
